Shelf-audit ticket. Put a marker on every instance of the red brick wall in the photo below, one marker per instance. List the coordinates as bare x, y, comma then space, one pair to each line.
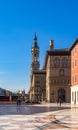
74, 65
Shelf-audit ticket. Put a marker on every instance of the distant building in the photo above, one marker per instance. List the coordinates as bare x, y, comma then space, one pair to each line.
52, 83
5, 95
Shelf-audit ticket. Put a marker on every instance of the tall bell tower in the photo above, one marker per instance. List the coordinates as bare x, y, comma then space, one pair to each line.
35, 65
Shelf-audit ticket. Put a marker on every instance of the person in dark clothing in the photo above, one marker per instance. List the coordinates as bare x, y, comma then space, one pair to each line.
60, 101
18, 101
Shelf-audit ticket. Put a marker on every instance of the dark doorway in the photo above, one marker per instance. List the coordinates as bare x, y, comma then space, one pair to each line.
61, 95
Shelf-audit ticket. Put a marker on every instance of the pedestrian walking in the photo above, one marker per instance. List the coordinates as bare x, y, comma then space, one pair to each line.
60, 101
18, 101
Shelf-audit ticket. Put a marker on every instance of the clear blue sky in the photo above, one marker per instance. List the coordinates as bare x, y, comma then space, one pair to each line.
19, 19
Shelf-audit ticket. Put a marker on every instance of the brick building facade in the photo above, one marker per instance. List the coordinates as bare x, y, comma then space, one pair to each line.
74, 73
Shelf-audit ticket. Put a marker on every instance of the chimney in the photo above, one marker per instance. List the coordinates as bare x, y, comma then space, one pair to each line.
51, 45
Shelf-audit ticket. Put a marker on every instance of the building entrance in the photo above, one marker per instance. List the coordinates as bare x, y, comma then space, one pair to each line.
61, 95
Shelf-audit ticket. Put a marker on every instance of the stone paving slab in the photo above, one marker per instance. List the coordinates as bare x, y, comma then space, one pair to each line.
15, 118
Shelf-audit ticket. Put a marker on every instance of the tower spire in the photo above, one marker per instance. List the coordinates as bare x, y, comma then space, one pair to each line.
35, 44
35, 37
35, 55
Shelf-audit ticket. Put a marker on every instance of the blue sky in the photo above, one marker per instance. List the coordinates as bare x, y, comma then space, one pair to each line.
19, 19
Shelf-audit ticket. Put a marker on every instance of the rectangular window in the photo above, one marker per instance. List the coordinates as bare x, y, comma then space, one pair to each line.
72, 79
37, 82
75, 78
75, 62
72, 96
77, 96
75, 50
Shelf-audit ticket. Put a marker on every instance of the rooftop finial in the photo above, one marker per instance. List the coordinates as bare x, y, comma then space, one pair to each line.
35, 37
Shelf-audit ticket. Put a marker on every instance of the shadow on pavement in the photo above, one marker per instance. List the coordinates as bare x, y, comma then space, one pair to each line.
28, 109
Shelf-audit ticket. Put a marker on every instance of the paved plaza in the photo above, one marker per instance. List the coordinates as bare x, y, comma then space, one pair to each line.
38, 117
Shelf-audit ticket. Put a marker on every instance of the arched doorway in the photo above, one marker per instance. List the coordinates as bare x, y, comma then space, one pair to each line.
61, 95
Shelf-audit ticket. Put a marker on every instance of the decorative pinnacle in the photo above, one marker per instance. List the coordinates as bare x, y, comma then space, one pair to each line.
35, 37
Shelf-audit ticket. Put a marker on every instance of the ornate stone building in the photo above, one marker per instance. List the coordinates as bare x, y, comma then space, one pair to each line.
53, 82
38, 77
57, 66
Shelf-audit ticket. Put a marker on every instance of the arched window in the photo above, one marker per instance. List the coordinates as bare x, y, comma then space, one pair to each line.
61, 72
64, 62
57, 62
35, 57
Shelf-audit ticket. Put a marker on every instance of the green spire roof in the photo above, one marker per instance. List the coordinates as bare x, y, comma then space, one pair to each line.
35, 44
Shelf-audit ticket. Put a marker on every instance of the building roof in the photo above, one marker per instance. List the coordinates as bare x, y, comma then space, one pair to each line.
59, 52
39, 72
74, 44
